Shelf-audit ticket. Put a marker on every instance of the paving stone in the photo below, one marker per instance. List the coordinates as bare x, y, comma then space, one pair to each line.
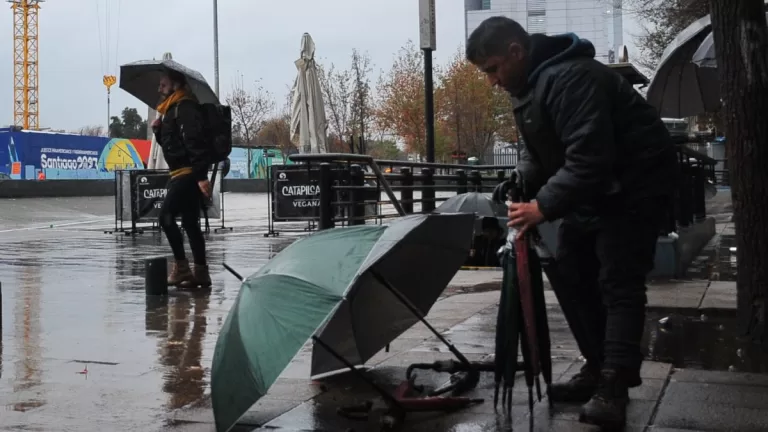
720, 295
698, 416
719, 377
676, 294
650, 390
655, 370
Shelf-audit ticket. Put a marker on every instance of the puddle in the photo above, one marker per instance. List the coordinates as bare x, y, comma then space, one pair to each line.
701, 341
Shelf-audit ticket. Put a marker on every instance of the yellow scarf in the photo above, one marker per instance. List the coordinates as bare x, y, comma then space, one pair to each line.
176, 96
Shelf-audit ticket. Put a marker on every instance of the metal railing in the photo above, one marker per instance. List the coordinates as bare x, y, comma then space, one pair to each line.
356, 189
347, 188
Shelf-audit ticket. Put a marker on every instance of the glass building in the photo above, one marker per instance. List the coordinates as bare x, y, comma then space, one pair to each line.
599, 21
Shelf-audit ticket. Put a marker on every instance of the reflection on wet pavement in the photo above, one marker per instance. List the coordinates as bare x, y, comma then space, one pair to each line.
81, 344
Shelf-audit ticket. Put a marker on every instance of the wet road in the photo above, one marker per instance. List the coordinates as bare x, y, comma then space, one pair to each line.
80, 344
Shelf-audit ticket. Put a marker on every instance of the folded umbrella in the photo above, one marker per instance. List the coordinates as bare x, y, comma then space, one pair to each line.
346, 286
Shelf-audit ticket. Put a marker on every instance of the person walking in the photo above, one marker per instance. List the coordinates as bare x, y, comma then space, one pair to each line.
180, 136
597, 156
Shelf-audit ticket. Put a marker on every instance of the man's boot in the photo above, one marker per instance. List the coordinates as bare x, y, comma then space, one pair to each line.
579, 389
608, 407
180, 273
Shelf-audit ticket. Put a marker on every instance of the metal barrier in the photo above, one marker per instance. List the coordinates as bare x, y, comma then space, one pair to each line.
328, 190
349, 189
697, 170
139, 195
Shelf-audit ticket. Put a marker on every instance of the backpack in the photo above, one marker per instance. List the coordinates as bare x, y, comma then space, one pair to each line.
217, 130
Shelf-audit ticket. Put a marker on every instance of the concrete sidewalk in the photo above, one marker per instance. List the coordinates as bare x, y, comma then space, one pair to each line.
669, 400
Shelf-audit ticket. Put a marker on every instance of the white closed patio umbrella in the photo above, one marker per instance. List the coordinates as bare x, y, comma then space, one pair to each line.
308, 121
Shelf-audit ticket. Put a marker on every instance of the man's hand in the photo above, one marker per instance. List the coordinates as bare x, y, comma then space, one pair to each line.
524, 216
205, 188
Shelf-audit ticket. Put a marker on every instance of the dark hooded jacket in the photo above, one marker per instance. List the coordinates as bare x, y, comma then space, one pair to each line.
590, 139
181, 137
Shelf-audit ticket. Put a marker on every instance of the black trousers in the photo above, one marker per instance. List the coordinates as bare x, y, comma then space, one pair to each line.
603, 268
184, 199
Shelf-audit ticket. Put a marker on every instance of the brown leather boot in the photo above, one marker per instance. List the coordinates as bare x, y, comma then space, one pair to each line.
180, 273
200, 278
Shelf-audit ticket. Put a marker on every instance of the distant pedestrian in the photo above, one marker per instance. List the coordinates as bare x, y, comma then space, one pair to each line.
179, 133
597, 155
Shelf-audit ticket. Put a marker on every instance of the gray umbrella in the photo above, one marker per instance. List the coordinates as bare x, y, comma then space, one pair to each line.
416, 255
472, 202
679, 88
142, 78
705, 54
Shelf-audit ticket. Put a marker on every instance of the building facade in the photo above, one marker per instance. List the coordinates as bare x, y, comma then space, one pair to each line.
599, 21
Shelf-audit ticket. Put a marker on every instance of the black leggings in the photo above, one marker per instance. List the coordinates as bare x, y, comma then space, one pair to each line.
183, 198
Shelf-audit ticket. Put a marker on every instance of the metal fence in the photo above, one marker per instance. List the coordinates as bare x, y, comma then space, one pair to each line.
349, 189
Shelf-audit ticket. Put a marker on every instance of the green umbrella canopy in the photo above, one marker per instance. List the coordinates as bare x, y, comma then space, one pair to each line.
318, 277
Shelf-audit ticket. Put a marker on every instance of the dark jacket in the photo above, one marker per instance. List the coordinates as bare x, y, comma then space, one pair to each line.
590, 138
181, 137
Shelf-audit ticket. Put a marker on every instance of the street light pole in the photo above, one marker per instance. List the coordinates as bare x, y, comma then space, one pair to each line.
427, 36
216, 46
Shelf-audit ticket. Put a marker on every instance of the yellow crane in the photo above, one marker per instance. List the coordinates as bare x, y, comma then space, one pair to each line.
26, 105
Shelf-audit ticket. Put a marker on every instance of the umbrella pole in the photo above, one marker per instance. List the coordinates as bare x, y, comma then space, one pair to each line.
391, 399
234, 273
421, 318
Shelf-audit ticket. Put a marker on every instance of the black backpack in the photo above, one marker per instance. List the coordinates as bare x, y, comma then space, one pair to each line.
217, 129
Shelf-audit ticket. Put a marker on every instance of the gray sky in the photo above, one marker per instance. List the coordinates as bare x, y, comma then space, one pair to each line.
257, 39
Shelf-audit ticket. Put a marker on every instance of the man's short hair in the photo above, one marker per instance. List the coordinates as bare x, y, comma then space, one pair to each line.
177, 77
493, 37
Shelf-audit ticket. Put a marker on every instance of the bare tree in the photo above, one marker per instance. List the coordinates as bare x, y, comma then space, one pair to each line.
250, 109
337, 90
91, 131
661, 21
360, 105
347, 95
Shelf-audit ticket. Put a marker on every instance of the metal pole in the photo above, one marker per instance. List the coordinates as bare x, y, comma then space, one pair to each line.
109, 115
216, 46
429, 102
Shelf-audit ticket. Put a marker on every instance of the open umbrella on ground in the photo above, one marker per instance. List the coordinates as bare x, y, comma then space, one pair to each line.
308, 121
142, 78
356, 289
679, 88
472, 202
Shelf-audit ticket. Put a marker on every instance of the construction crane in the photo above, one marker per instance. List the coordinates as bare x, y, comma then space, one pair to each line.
26, 107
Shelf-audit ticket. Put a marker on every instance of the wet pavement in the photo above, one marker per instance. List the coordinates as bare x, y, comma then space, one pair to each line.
73, 301
83, 349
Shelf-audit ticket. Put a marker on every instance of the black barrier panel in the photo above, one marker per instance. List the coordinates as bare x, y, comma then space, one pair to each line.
150, 193
296, 193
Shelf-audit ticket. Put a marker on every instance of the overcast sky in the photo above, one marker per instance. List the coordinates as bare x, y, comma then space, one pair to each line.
257, 39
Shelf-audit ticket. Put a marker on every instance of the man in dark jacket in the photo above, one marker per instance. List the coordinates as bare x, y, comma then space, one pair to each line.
597, 156
186, 152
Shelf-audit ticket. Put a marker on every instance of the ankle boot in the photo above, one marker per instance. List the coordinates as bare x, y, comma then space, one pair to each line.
180, 273
608, 407
579, 389
202, 276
